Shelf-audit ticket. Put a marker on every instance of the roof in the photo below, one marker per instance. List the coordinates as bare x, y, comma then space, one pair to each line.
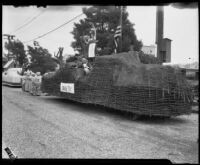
167, 39
16, 69
191, 69
149, 46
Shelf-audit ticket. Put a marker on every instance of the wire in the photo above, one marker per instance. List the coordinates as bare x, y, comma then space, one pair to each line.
29, 21
54, 29
21, 25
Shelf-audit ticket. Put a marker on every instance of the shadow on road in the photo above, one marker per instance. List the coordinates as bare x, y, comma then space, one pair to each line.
95, 110
11, 86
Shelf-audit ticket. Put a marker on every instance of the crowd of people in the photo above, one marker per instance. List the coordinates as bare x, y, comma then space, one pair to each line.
31, 82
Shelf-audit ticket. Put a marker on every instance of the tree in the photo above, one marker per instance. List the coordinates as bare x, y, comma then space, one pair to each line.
16, 49
41, 60
59, 56
105, 20
148, 59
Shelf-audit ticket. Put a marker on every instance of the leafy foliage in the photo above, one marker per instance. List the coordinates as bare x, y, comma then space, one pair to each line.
105, 20
41, 60
59, 56
148, 59
16, 48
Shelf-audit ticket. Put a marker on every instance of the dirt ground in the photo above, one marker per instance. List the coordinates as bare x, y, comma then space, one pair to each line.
52, 127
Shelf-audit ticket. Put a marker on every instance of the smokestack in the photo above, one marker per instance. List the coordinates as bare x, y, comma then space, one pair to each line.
159, 23
159, 28
163, 44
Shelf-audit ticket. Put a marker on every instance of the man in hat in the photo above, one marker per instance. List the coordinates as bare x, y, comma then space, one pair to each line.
31, 83
85, 65
37, 84
91, 41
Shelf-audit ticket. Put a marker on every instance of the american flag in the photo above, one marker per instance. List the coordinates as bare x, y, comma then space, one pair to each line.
35, 43
118, 32
117, 35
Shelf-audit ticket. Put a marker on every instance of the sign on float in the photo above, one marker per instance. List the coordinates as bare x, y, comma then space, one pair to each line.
67, 87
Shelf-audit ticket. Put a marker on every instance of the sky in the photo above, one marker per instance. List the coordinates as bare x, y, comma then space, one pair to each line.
180, 25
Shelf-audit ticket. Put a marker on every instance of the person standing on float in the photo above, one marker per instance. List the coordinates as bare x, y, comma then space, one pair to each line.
92, 44
37, 84
27, 81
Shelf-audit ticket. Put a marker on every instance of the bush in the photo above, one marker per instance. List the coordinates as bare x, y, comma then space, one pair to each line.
41, 60
148, 59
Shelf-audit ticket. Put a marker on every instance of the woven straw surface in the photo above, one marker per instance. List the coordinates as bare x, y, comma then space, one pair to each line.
121, 82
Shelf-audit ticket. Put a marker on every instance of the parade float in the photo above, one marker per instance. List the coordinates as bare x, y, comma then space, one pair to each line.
122, 82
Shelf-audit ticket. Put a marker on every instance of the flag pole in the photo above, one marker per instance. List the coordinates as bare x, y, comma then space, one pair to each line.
120, 41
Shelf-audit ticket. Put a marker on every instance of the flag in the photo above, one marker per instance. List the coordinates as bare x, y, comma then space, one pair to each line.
117, 34
35, 43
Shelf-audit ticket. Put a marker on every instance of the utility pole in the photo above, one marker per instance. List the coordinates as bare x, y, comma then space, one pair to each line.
9, 38
189, 62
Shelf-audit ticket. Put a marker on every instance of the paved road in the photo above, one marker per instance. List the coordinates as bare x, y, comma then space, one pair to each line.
52, 127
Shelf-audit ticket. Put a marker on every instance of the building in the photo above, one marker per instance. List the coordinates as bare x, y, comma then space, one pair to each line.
192, 74
151, 50
165, 51
163, 44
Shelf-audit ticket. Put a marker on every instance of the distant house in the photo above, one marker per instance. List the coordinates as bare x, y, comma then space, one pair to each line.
151, 50
192, 74
194, 65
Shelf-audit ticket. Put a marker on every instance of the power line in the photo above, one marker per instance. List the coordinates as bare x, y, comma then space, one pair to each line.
29, 18
54, 29
29, 21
